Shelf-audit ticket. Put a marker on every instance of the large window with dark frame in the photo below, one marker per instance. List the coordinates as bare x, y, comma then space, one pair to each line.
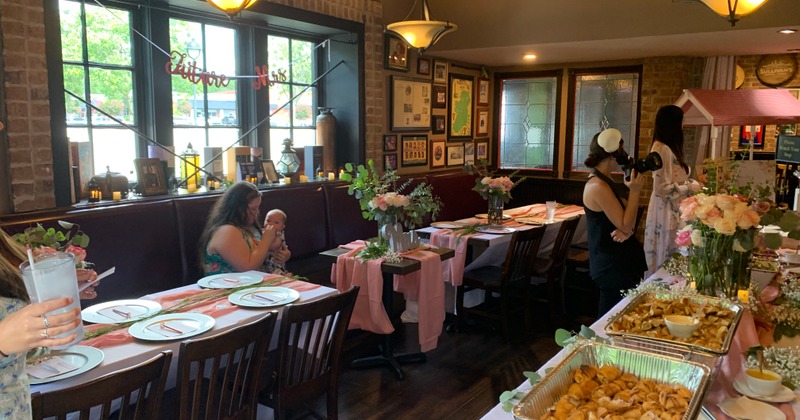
603, 98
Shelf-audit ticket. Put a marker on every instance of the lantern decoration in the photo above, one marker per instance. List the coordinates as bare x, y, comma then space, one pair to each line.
289, 162
190, 168
94, 191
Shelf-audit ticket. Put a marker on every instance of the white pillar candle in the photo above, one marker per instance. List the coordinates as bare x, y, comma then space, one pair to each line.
331, 176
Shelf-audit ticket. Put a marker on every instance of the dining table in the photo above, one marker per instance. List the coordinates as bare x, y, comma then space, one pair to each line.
415, 274
121, 350
726, 370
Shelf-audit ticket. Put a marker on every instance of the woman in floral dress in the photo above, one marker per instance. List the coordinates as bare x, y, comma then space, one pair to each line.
669, 188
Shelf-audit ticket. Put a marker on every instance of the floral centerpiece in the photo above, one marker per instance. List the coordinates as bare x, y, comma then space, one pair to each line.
47, 241
777, 307
496, 190
383, 200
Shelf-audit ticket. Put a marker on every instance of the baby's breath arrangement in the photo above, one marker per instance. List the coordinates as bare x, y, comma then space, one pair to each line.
778, 305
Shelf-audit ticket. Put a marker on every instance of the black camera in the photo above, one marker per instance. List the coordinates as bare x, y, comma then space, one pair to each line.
650, 162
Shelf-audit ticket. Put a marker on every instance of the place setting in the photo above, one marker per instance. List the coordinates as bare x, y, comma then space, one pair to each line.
230, 280
168, 327
120, 311
264, 297
55, 365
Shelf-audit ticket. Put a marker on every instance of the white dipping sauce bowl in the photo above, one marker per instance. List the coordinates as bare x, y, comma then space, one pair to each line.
764, 382
681, 325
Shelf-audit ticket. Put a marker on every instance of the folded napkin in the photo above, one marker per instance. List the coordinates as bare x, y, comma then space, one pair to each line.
427, 287
368, 312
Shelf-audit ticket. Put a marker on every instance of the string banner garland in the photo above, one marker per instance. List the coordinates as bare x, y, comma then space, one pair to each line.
189, 70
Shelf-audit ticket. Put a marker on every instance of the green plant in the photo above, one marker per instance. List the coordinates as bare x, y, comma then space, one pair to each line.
38, 237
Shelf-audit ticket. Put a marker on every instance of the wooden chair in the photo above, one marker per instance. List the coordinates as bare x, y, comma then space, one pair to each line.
512, 278
548, 273
219, 376
139, 389
309, 344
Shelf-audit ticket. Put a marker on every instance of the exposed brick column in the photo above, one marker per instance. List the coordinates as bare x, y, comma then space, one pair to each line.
27, 105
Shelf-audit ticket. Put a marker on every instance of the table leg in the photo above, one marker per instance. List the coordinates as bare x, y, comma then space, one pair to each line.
387, 357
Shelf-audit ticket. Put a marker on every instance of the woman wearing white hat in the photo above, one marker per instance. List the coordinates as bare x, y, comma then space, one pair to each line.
616, 258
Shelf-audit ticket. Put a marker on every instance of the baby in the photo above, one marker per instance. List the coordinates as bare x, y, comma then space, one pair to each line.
276, 218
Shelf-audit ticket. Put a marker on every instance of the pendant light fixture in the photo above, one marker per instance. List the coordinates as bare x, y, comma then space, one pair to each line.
734, 9
232, 7
421, 34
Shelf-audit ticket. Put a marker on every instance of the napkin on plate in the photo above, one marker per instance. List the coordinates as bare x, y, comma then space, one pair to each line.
171, 328
121, 312
47, 367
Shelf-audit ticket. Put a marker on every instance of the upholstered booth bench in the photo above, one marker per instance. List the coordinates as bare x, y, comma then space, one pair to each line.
153, 243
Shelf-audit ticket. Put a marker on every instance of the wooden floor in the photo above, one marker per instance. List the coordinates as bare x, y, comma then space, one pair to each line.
462, 378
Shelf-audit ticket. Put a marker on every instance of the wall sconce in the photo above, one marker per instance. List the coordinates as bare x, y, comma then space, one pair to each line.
289, 162
422, 34
232, 7
733, 9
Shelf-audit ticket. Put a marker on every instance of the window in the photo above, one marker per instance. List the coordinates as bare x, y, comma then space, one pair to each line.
528, 122
204, 114
99, 68
603, 98
296, 59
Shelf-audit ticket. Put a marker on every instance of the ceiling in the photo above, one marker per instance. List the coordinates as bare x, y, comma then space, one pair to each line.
497, 33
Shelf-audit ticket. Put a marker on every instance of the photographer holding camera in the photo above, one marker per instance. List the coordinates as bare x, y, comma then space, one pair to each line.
671, 184
616, 258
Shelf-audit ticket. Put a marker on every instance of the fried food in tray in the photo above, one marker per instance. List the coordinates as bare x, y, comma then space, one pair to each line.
644, 317
599, 381
607, 392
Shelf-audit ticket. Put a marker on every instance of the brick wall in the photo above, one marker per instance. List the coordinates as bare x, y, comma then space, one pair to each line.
27, 135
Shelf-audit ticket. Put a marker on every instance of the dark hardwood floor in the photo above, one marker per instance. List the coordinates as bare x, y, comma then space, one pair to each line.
462, 378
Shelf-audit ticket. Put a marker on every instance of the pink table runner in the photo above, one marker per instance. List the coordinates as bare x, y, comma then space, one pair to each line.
425, 286
214, 308
452, 269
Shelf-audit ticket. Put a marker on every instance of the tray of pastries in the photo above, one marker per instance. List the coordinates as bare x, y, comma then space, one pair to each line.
647, 314
605, 381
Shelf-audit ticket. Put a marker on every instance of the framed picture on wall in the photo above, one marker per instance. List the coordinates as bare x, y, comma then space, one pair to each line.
439, 96
390, 143
455, 154
411, 104
481, 150
483, 92
390, 161
439, 71
469, 153
395, 53
415, 150
459, 116
438, 125
482, 122
150, 175
746, 133
438, 155
424, 66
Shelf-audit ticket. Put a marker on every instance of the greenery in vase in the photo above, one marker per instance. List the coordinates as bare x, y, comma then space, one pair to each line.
488, 185
382, 200
47, 241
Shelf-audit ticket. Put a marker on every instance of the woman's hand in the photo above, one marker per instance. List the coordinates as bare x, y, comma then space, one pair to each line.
28, 328
282, 255
635, 184
87, 276
619, 235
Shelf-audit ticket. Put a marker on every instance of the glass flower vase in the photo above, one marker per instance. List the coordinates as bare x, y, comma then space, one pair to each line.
716, 268
390, 232
495, 212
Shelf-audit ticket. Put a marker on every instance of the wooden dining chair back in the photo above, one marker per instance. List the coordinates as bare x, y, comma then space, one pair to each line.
133, 393
548, 274
512, 278
309, 347
218, 376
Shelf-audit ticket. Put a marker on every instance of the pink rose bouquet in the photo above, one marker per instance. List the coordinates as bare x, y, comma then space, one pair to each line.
488, 185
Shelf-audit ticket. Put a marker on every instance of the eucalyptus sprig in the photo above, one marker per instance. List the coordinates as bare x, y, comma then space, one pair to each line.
566, 338
37, 236
508, 399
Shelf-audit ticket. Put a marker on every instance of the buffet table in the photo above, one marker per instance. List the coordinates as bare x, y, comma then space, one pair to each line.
721, 388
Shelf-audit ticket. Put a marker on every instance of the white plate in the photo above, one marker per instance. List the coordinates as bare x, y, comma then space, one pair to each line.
486, 216
495, 230
446, 225
99, 314
200, 322
85, 357
273, 296
783, 395
745, 408
229, 280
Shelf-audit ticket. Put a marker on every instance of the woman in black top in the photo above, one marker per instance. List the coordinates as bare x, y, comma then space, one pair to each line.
616, 258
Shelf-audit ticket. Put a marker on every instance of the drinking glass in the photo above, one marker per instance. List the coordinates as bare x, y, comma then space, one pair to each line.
551, 210
54, 277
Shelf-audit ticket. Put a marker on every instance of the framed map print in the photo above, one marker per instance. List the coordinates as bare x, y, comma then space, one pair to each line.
459, 115
411, 104
415, 150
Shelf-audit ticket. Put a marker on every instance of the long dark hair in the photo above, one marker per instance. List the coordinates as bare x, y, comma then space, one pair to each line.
669, 130
11, 255
230, 209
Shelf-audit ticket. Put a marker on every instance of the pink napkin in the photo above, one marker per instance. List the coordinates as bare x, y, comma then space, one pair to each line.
215, 309
452, 269
368, 313
732, 367
427, 287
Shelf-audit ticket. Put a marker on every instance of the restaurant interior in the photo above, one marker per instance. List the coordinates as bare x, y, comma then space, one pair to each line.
130, 119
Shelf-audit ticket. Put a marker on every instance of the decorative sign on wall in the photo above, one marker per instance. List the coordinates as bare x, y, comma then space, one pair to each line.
776, 70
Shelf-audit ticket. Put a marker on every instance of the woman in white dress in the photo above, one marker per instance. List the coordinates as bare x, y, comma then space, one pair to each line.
669, 188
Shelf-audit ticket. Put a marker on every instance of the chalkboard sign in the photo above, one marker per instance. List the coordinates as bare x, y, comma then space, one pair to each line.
788, 149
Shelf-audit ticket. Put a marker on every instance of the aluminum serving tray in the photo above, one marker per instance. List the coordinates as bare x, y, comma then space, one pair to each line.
726, 343
644, 365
